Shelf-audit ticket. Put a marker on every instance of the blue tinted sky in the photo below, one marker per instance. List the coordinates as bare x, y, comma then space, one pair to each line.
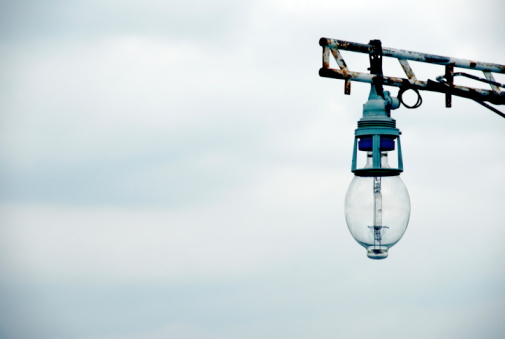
177, 169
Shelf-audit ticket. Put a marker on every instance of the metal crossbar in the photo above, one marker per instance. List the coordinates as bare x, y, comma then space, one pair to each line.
444, 84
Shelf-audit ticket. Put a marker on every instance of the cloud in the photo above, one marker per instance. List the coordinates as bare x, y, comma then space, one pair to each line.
91, 19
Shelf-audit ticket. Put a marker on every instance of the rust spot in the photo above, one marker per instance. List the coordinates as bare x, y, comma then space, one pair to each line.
436, 59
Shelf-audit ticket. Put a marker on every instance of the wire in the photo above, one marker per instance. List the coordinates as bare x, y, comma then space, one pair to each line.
419, 98
491, 108
443, 79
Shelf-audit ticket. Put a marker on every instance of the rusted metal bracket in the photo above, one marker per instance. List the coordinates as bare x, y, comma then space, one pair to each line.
444, 84
449, 71
375, 58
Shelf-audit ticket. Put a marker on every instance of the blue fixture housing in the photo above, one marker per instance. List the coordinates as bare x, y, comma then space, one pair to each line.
377, 133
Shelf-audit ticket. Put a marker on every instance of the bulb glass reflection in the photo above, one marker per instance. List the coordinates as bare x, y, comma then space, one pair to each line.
377, 210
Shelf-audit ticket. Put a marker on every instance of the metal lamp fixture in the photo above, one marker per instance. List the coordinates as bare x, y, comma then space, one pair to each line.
377, 203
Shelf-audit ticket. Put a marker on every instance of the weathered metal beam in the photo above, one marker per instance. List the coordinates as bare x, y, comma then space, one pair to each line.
494, 86
407, 69
414, 56
429, 85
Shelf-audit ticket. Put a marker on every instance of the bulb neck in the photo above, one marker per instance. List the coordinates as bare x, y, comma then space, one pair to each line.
372, 171
384, 160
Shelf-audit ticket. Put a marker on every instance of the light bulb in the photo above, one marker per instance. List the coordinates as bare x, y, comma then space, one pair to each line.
377, 210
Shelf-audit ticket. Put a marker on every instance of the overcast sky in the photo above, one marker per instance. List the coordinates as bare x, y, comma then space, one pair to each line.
177, 169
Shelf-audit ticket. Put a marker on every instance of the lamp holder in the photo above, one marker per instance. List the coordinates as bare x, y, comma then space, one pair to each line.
377, 133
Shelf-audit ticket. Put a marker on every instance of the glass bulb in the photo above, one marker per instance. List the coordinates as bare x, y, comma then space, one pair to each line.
377, 210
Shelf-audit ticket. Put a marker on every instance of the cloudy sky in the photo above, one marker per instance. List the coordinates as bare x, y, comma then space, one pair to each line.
177, 169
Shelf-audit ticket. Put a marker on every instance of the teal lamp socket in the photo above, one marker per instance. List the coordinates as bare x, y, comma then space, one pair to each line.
377, 133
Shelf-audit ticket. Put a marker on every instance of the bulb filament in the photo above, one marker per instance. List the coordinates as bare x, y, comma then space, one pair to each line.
377, 228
